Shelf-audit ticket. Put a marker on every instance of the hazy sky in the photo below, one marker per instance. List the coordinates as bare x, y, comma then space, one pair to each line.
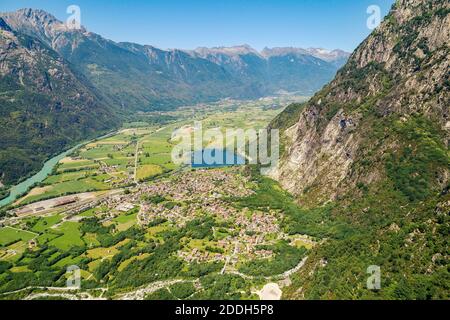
188, 24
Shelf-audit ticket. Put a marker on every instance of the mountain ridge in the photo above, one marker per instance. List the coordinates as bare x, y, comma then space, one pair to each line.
368, 160
41, 95
334, 111
119, 79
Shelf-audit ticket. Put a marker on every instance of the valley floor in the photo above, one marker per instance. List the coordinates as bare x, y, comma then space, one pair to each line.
140, 227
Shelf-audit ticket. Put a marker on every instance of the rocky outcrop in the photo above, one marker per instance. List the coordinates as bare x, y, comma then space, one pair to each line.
400, 71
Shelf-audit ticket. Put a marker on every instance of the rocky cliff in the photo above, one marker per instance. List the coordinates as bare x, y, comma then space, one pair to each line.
367, 159
396, 75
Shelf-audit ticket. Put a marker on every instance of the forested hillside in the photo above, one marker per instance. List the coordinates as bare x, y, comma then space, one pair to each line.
46, 106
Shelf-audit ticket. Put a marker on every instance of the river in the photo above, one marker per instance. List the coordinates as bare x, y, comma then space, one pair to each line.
22, 187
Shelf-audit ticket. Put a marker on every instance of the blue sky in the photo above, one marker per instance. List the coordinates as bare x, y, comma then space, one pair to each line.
188, 24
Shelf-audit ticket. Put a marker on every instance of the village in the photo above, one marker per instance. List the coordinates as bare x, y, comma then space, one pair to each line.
120, 199
205, 192
240, 234
191, 194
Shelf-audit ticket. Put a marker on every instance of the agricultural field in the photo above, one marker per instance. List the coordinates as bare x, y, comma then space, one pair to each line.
224, 229
10, 235
101, 165
70, 236
135, 155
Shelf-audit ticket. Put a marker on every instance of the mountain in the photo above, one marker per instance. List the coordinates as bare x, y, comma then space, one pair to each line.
336, 57
45, 105
277, 69
368, 159
137, 77
61, 85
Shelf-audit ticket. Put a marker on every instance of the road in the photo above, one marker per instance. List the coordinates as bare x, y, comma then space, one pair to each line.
230, 257
284, 275
64, 292
138, 294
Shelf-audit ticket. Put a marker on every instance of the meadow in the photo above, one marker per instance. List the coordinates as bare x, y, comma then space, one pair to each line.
10, 235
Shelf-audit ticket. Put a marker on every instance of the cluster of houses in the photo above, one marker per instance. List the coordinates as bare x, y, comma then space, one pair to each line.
206, 184
197, 255
200, 190
150, 212
116, 180
204, 191
195, 192
258, 222
241, 250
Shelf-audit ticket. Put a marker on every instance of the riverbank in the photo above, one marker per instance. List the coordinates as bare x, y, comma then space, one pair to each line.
23, 187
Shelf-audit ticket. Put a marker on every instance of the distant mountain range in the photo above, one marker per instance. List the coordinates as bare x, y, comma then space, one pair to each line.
139, 77
370, 154
60, 85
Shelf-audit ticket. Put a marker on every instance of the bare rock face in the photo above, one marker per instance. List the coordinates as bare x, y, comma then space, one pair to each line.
399, 72
325, 156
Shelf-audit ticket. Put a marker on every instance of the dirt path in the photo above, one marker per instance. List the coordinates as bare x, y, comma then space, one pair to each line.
282, 276
61, 289
140, 294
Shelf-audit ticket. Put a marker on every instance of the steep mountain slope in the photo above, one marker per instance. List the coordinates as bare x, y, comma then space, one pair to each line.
272, 70
45, 105
370, 153
190, 79
142, 77
123, 75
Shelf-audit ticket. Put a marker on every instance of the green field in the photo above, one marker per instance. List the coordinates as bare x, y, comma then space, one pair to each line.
46, 222
125, 218
58, 178
46, 237
68, 187
71, 236
68, 261
77, 165
148, 171
125, 221
9, 235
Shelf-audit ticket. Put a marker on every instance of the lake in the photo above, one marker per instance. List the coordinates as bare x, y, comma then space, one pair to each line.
215, 158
